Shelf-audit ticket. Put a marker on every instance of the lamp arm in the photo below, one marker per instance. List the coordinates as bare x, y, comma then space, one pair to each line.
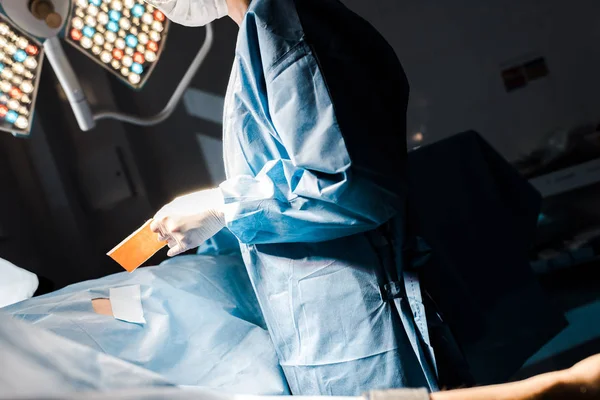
69, 82
175, 97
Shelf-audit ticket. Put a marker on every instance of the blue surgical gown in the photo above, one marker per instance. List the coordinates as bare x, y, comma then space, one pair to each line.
314, 149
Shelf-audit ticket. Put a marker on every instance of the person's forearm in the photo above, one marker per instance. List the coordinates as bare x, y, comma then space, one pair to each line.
541, 387
273, 208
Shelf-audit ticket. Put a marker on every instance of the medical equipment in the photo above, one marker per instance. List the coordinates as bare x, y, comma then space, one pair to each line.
478, 281
137, 248
21, 58
125, 37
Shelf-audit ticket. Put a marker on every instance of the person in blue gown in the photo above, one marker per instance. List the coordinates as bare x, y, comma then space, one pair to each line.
315, 153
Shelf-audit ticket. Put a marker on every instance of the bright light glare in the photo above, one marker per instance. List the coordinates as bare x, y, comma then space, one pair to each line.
417, 137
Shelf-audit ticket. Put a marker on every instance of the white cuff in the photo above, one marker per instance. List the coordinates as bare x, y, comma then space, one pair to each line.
399, 394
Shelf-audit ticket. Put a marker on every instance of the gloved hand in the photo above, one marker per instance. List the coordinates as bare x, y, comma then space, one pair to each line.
190, 220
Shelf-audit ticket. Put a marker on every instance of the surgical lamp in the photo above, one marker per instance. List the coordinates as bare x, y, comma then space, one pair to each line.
125, 37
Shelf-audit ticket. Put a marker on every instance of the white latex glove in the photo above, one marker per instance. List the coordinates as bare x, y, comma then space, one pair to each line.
190, 220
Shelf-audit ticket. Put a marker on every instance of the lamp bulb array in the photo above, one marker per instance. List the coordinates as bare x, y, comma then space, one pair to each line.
124, 36
20, 67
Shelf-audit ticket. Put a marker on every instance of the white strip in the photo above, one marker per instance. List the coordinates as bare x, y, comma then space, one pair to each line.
126, 303
568, 179
204, 105
415, 299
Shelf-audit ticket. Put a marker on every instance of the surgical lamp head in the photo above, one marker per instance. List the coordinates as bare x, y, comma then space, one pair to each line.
125, 37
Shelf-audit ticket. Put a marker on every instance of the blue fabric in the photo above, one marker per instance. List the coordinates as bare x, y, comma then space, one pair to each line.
306, 189
204, 326
38, 364
223, 243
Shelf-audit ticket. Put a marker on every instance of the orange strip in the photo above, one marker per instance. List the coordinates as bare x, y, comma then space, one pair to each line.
102, 306
137, 248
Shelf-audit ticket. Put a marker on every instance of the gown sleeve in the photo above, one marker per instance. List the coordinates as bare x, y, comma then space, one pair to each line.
316, 193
